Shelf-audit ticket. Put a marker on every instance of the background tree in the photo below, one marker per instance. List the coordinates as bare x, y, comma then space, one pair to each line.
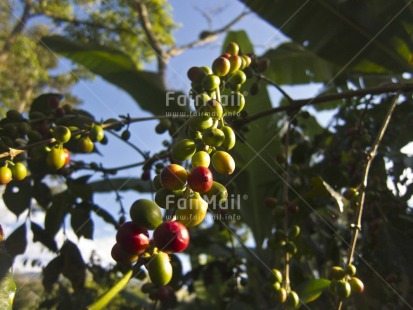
319, 197
23, 24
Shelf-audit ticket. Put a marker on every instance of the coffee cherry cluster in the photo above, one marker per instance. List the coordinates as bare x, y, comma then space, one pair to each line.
344, 282
132, 240
45, 139
185, 194
285, 241
277, 291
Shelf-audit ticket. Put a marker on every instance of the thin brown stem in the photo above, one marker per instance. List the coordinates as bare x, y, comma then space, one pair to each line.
370, 157
298, 104
153, 41
286, 176
271, 82
209, 37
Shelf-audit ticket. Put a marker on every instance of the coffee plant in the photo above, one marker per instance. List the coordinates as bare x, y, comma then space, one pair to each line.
271, 209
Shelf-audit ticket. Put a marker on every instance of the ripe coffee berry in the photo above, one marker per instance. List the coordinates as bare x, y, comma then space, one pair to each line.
200, 179
171, 237
132, 238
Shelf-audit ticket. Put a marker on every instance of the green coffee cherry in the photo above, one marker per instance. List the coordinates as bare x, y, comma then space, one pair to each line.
183, 149
213, 137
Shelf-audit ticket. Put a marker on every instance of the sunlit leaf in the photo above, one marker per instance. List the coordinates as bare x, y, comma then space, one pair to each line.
313, 289
322, 188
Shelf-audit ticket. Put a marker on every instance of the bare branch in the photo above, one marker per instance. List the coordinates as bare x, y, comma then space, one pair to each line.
207, 38
145, 21
298, 104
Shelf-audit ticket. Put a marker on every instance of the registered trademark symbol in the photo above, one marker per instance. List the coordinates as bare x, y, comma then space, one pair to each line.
245, 93
245, 197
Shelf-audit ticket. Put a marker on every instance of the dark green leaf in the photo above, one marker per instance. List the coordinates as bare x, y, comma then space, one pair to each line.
39, 234
367, 36
81, 221
117, 68
55, 215
105, 215
121, 184
16, 243
74, 268
310, 126
51, 272
312, 290
42, 194
80, 188
17, 196
290, 63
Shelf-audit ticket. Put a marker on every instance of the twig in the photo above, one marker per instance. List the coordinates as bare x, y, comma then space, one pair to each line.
286, 176
298, 104
161, 56
370, 157
143, 154
212, 36
282, 91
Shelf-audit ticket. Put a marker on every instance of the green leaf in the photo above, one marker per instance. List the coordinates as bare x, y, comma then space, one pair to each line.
121, 184
366, 36
105, 215
17, 196
291, 63
241, 38
319, 187
117, 68
312, 290
55, 215
7, 291
16, 243
41, 235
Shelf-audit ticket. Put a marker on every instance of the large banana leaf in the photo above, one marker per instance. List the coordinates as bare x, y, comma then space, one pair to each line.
366, 36
117, 68
291, 63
